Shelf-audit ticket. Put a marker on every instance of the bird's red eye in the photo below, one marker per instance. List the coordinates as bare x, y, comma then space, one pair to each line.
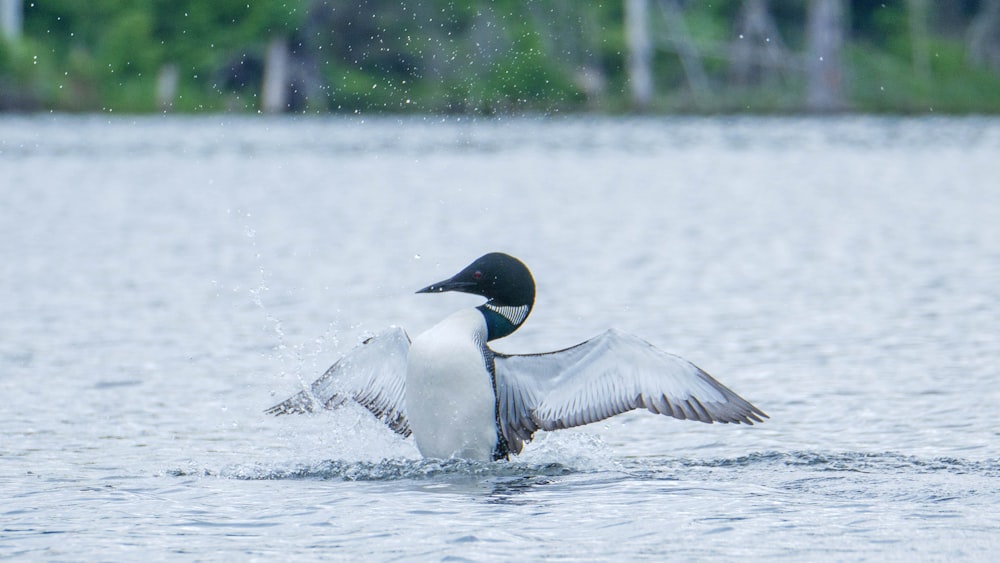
477, 275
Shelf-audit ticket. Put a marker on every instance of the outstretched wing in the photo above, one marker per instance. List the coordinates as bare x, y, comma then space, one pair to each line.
373, 374
604, 376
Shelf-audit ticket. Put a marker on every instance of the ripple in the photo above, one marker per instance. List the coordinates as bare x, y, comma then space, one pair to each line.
861, 461
857, 462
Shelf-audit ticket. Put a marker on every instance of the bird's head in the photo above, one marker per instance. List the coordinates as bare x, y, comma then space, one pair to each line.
502, 279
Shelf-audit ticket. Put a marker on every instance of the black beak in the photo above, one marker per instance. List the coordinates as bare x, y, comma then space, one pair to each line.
448, 285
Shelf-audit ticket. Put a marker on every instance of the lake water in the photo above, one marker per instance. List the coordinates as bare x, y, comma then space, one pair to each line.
166, 279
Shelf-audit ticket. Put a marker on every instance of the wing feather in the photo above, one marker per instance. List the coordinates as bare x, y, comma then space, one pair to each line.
605, 376
373, 374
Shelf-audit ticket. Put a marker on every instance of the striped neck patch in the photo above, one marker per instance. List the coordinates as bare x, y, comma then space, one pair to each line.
514, 315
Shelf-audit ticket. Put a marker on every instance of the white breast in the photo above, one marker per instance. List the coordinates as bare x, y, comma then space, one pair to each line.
450, 401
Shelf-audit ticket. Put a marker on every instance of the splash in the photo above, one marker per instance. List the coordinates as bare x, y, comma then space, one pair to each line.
392, 470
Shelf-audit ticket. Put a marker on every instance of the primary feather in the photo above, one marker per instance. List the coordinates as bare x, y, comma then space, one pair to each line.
604, 376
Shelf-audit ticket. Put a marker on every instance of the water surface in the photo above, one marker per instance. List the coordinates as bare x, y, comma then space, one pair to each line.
165, 279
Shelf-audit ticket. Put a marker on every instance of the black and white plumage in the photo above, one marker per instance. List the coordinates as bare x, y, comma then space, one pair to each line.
373, 375
459, 398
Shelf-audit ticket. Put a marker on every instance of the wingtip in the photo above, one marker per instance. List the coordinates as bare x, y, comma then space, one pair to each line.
757, 414
753, 415
279, 410
300, 403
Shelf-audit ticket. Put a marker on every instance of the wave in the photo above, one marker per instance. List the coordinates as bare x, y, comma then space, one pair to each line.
887, 463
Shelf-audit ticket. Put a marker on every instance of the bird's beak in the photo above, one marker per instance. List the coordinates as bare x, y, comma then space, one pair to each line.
448, 285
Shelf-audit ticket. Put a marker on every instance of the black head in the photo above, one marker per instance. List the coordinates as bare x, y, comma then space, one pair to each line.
505, 281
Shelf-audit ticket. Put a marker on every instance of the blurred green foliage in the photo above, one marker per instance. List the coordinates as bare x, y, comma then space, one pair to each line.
467, 56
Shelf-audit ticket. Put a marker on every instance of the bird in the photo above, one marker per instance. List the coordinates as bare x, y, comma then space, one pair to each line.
459, 398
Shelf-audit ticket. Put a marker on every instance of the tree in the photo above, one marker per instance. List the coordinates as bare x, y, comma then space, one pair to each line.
824, 38
757, 55
919, 38
640, 53
984, 36
11, 16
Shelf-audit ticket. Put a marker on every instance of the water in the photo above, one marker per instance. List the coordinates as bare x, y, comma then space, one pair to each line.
165, 279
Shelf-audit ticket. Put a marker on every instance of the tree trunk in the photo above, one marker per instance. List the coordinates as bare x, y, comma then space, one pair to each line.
167, 81
918, 38
11, 19
984, 36
825, 37
757, 55
694, 71
640, 53
274, 92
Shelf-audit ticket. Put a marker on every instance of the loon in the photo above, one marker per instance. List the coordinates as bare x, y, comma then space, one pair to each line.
458, 398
